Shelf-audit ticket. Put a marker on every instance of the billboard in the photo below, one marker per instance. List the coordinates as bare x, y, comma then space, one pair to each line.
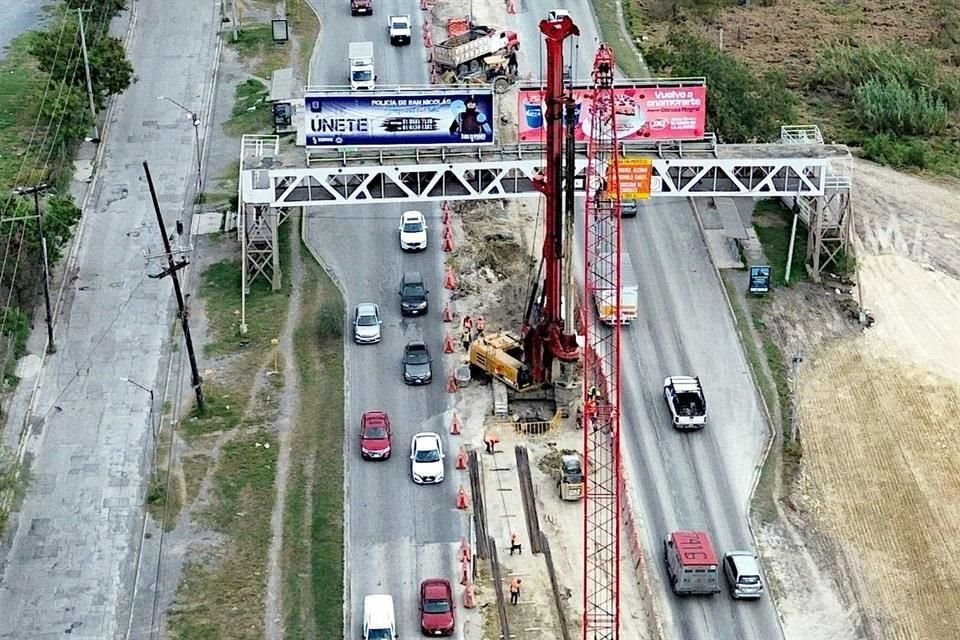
399, 118
643, 113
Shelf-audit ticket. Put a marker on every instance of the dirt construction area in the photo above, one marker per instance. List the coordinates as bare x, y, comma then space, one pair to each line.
877, 418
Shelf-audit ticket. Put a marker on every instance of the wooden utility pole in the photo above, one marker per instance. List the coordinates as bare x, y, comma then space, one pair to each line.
171, 270
35, 191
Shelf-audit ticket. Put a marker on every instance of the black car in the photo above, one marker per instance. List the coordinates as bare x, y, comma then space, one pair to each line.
413, 295
628, 209
416, 364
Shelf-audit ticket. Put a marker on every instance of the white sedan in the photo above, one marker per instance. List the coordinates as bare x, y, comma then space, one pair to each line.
413, 231
426, 458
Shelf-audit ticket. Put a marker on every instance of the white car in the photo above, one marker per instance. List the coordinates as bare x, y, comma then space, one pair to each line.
556, 15
413, 231
366, 323
426, 458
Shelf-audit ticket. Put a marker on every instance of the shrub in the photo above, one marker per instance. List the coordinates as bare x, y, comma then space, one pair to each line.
899, 153
891, 107
741, 106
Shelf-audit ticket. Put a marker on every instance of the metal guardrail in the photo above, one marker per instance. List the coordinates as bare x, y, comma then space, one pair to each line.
538, 428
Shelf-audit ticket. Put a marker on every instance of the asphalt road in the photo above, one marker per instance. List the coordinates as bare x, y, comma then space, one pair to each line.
18, 17
397, 533
71, 562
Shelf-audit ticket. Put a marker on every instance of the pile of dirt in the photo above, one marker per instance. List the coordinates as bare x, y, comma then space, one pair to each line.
549, 461
493, 261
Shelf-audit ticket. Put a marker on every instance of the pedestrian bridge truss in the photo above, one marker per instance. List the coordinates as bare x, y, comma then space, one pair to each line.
812, 177
700, 169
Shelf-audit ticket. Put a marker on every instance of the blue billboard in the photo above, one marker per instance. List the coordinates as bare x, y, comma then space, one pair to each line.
411, 119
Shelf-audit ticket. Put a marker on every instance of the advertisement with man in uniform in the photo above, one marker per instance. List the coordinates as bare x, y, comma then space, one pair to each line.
384, 119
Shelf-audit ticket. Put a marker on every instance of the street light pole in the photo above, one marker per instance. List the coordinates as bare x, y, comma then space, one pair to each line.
195, 121
35, 191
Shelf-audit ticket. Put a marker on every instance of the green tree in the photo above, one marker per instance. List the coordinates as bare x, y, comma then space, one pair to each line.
58, 52
741, 106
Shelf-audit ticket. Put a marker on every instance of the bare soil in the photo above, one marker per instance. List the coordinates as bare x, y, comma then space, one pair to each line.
876, 416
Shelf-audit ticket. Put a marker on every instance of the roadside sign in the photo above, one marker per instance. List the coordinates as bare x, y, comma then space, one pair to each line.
635, 178
759, 280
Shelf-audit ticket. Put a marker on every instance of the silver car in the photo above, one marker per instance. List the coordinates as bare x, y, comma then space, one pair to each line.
743, 574
366, 323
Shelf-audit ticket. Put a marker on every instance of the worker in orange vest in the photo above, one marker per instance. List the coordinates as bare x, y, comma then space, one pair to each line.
515, 544
515, 590
481, 325
490, 441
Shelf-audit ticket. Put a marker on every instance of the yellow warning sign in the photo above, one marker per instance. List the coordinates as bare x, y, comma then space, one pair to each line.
635, 176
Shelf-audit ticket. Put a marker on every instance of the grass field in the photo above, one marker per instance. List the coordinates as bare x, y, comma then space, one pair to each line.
21, 86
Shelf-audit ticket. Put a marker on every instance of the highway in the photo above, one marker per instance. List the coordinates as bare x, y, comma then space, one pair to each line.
397, 533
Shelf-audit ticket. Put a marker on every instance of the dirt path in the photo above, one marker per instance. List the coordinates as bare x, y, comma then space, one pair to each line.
289, 394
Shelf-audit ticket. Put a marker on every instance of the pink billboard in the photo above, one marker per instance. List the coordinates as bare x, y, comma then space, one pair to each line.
643, 113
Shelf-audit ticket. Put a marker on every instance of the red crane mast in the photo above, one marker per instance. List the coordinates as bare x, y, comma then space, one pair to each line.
601, 363
544, 338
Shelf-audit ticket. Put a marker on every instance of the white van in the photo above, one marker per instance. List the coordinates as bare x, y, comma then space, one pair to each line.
379, 623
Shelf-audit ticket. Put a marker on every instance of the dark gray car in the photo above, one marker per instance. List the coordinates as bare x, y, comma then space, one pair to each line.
413, 294
417, 367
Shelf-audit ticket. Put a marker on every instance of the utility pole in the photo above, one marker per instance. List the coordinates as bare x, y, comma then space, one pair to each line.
171, 270
796, 361
86, 69
35, 191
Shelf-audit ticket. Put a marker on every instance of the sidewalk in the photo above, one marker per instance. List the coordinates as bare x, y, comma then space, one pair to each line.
71, 556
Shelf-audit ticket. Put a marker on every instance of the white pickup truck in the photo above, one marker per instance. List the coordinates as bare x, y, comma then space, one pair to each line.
606, 299
400, 30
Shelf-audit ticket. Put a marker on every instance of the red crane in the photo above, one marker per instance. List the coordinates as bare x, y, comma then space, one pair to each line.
601, 363
544, 337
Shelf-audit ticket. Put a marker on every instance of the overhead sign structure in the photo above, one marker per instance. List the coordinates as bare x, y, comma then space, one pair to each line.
759, 279
407, 119
635, 177
643, 112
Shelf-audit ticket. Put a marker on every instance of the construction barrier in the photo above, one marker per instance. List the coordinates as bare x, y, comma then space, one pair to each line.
539, 427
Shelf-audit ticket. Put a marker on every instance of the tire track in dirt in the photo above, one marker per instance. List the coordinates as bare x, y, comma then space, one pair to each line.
878, 475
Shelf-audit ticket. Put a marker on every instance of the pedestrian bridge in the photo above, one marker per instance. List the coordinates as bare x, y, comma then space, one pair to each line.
699, 169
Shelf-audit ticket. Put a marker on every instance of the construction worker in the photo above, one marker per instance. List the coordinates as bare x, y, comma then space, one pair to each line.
489, 442
515, 544
515, 590
579, 417
480, 326
465, 339
467, 324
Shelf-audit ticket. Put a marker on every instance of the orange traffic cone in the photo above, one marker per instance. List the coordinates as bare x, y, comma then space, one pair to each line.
469, 597
455, 426
447, 313
450, 280
462, 460
447, 243
511, 7
452, 384
448, 344
464, 550
464, 573
462, 501
445, 216
448, 231
423, 5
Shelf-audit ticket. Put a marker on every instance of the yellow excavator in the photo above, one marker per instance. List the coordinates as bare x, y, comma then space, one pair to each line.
498, 356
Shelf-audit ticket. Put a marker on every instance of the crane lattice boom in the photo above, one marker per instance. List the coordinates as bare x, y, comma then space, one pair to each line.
601, 363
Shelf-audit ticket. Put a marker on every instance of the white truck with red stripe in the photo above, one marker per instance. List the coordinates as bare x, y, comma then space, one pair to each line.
692, 564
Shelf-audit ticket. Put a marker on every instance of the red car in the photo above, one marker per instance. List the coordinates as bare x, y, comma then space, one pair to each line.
436, 607
375, 435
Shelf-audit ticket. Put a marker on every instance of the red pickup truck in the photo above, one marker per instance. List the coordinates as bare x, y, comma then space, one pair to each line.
361, 7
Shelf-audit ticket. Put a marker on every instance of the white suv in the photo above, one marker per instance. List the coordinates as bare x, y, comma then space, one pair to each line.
413, 231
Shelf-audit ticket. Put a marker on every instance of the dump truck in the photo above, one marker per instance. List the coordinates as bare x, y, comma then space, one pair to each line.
691, 563
362, 74
498, 356
465, 54
606, 299
570, 477
399, 29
